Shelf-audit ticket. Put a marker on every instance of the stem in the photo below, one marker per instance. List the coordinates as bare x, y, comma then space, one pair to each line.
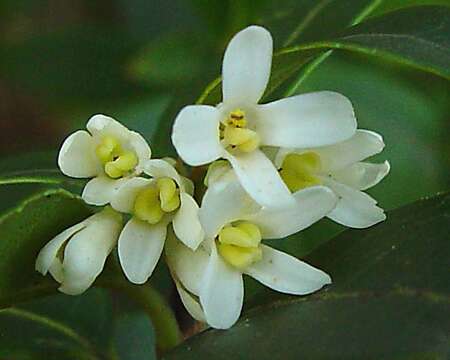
168, 334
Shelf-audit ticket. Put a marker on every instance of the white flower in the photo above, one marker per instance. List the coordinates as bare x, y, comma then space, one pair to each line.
237, 128
209, 279
108, 152
76, 256
340, 167
154, 203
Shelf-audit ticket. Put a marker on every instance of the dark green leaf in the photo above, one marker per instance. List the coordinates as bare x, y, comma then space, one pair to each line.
390, 298
24, 231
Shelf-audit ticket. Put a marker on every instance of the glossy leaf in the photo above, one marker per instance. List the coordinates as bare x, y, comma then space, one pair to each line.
389, 299
24, 230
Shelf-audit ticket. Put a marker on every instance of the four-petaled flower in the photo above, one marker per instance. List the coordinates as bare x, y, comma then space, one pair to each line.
340, 167
154, 203
76, 256
108, 152
237, 128
234, 226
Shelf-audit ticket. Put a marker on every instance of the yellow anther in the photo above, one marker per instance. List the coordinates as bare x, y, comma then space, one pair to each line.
169, 194
298, 171
117, 162
147, 206
244, 139
108, 149
243, 234
237, 119
239, 257
124, 163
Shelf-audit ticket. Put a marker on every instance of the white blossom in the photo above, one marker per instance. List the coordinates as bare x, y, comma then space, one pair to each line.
237, 128
209, 279
76, 256
341, 168
154, 203
108, 152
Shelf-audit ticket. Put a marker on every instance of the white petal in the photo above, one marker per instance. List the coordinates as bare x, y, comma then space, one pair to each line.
186, 222
140, 247
195, 134
222, 205
101, 190
362, 175
191, 304
246, 65
140, 147
100, 125
187, 265
124, 198
86, 253
260, 179
57, 271
222, 293
77, 156
158, 168
307, 120
311, 204
354, 209
286, 274
359, 147
49, 252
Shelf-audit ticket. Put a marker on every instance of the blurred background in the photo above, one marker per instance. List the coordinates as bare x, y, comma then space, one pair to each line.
139, 61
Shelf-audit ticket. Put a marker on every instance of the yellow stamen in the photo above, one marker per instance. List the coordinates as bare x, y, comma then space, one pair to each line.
235, 133
117, 162
147, 206
298, 170
169, 194
239, 257
239, 244
243, 234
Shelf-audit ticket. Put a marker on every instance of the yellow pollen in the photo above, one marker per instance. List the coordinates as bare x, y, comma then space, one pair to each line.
235, 133
298, 171
154, 202
117, 162
239, 244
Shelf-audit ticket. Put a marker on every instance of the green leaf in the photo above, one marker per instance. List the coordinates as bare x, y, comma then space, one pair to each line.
390, 298
24, 231
417, 37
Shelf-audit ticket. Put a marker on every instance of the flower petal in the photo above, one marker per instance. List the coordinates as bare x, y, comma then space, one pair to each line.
195, 134
99, 125
140, 247
159, 168
286, 274
246, 65
191, 304
124, 198
311, 204
186, 222
308, 120
77, 156
187, 265
260, 179
354, 209
86, 253
48, 253
360, 146
222, 293
362, 175
140, 147
101, 190
224, 204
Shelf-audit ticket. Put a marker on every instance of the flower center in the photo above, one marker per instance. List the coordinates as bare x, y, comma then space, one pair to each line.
117, 162
235, 134
154, 202
298, 171
239, 244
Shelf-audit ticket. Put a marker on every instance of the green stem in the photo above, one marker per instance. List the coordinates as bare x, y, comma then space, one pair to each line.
168, 334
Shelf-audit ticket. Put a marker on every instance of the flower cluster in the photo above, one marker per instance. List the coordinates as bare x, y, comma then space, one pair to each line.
274, 169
